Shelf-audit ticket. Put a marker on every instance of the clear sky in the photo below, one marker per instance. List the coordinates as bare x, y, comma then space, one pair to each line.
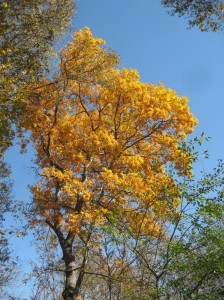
162, 49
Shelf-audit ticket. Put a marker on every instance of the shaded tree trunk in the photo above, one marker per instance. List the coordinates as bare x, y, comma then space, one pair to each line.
70, 290
73, 274
72, 284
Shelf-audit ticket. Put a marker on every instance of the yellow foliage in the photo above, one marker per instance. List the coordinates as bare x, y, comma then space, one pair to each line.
104, 140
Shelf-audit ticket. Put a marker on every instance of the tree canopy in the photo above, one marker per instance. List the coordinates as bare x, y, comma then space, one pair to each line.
104, 143
116, 204
28, 32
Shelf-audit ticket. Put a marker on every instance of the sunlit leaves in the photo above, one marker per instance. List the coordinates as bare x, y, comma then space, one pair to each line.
104, 140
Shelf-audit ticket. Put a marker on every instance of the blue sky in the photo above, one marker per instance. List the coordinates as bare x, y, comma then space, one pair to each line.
162, 49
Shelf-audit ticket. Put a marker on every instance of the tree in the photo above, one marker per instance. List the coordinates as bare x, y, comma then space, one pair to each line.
207, 15
46, 278
199, 271
184, 263
187, 262
103, 141
7, 263
29, 30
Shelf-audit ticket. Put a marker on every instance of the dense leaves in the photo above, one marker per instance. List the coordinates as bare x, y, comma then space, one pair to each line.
28, 31
104, 143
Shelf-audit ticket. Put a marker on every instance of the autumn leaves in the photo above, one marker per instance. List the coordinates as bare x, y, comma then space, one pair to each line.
103, 135
104, 141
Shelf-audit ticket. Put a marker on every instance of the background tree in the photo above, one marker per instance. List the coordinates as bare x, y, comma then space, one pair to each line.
187, 263
103, 141
7, 264
29, 30
47, 276
198, 270
205, 14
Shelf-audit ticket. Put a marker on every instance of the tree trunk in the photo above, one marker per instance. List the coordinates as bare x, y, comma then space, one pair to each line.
73, 276
70, 291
